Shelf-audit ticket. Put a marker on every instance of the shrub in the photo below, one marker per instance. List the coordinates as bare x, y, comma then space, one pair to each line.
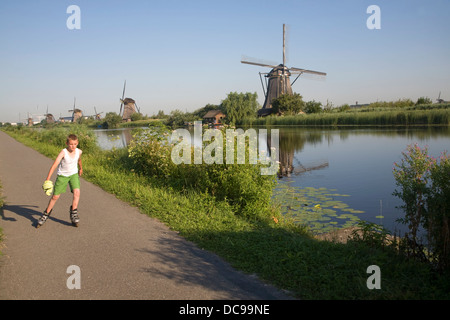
288, 104
424, 184
241, 185
151, 153
112, 120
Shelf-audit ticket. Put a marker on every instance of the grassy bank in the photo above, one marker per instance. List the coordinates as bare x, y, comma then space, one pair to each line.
414, 116
275, 249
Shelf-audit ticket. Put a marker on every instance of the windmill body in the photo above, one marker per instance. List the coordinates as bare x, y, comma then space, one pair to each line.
76, 113
279, 79
127, 106
439, 100
49, 118
278, 84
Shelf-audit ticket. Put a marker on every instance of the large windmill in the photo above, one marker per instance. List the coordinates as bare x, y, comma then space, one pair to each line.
127, 105
279, 79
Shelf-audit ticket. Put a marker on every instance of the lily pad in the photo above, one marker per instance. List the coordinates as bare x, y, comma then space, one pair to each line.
318, 208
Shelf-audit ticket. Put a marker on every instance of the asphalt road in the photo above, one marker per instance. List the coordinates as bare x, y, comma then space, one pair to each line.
120, 253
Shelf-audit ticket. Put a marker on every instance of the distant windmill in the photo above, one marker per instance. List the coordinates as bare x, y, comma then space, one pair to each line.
49, 117
127, 105
76, 113
439, 100
279, 81
97, 115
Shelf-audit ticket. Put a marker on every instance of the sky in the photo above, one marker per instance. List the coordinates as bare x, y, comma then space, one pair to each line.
184, 55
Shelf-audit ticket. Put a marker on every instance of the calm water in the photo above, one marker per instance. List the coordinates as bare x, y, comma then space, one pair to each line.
351, 166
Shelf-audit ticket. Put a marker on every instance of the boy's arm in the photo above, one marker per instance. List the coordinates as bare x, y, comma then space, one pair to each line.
80, 165
55, 164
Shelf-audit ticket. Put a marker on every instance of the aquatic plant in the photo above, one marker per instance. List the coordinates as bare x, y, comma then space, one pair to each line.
320, 209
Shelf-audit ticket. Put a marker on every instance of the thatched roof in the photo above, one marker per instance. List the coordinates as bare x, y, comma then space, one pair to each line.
128, 100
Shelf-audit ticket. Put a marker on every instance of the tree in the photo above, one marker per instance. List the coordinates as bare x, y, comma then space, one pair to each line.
344, 107
238, 106
313, 107
288, 104
111, 120
160, 115
178, 118
328, 107
424, 100
202, 111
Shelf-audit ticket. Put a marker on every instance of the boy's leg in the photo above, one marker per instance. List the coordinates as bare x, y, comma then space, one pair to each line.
52, 202
74, 184
47, 211
76, 199
59, 187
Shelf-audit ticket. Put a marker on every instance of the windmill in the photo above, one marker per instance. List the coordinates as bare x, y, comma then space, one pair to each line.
128, 106
97, 115
439, 100
49, 117
76, 113
279, 79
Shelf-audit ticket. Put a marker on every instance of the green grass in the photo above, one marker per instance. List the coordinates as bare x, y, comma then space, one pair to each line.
282, 253
365, 117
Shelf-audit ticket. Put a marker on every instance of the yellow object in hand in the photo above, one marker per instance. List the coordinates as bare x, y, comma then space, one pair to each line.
48, 187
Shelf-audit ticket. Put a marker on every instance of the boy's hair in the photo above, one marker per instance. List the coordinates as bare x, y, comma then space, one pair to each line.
72, 137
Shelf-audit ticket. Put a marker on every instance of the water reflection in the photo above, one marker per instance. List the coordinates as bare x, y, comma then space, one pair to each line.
291, 143
109, 139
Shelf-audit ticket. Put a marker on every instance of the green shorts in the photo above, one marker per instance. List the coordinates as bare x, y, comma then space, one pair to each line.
62, 181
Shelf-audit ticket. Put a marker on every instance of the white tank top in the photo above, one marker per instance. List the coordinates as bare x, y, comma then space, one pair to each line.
68, 165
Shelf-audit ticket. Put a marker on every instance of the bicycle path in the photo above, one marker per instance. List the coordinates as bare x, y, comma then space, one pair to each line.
121, 253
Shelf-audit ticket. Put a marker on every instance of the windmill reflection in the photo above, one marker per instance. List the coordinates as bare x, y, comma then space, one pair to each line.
291, 143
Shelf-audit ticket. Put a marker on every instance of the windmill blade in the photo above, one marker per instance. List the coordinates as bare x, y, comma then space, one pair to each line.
123, 96
124, 85
298, 70
284, 44
258, 64
137, 108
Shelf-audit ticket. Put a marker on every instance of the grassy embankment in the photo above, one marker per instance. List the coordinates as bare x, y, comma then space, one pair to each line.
281, 253
421, 115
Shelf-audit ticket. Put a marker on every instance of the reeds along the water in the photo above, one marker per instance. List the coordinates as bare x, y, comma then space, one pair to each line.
376, 118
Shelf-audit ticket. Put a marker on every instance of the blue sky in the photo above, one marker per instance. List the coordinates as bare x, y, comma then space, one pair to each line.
185, 54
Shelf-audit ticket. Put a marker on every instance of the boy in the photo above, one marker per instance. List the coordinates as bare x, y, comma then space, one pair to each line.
70, 168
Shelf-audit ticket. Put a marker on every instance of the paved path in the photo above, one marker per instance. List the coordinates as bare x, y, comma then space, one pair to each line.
121, 253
